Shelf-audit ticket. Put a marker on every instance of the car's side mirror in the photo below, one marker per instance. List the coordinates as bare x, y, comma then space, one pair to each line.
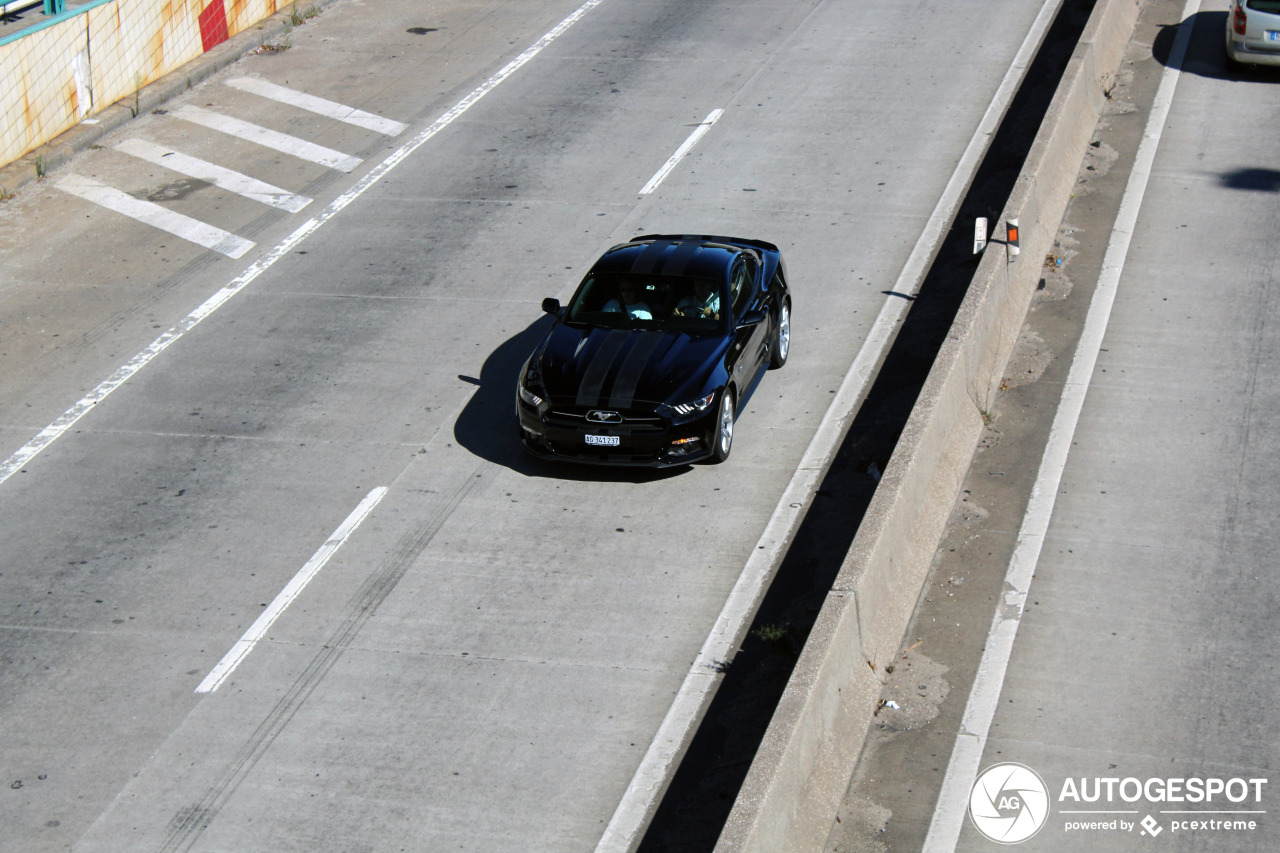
551, 305
751, 318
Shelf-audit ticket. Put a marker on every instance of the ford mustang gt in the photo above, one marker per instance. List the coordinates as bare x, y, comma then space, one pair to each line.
651, 358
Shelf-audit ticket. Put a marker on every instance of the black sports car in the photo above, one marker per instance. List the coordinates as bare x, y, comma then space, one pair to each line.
648, 362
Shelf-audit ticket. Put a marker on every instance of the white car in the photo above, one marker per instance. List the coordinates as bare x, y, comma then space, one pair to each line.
1253, 32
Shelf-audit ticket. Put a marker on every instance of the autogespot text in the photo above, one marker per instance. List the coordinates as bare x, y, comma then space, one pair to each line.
1190, 790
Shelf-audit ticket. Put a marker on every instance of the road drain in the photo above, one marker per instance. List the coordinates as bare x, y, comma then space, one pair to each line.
697, 804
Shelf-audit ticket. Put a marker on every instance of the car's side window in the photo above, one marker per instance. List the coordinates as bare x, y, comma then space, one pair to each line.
741, 283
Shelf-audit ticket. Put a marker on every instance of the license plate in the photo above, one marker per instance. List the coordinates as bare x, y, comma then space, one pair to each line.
1273, 35
604, 440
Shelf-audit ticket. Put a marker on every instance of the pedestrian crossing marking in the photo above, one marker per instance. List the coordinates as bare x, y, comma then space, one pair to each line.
320, 106
268, 138
224, 178
150, 213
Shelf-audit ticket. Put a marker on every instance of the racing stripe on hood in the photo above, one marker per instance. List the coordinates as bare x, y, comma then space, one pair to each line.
594, 376
633, 367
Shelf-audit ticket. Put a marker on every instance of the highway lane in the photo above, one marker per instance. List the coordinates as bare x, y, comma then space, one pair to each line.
485, 660
1146, 647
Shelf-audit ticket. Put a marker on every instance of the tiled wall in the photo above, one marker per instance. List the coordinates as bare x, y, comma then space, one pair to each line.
101, 53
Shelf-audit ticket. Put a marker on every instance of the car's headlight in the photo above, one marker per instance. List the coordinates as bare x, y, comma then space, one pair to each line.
529, 397
529, 388
694, 407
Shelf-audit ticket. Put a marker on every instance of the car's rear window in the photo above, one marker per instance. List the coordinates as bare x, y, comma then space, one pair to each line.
1271, 6
634, 301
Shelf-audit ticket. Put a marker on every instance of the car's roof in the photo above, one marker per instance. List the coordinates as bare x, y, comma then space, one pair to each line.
697, 257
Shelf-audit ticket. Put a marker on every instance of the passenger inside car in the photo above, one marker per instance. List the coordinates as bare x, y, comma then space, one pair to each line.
630, 300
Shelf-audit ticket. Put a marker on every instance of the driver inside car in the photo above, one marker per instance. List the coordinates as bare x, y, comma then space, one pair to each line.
703, 302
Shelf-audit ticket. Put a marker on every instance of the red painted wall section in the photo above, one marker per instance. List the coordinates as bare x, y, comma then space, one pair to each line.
213, 25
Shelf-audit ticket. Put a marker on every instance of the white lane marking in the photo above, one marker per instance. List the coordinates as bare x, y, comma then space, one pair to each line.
150, 213
684, 149
292, 590
984, 696
629, 821
59, 427
268, 138
319, 106
231, 181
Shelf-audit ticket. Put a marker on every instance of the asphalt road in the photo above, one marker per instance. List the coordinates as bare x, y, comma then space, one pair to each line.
486, 649
1145, 648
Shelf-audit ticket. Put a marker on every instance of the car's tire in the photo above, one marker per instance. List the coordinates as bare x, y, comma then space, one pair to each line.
722, 433
781, 337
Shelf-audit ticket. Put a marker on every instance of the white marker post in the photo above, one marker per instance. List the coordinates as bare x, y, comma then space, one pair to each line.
979, 235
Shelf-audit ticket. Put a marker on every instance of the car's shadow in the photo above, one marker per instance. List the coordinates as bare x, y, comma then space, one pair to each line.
488, 428
1206, 56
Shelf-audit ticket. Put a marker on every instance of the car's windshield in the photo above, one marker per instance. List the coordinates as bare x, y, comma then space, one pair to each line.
631, 301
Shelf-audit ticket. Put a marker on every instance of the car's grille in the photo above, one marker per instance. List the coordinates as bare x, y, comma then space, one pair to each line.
631, 422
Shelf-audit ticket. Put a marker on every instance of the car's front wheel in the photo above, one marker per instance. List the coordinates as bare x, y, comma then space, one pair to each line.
723, 435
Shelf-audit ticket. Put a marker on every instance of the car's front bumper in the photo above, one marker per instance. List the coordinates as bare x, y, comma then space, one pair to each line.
654, 442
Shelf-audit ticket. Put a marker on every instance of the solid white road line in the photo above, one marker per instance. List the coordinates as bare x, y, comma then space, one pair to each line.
156, 216
626, 828
268, 138
684, 149
267, 618
59, 427
319, 106
984, 696
226, 179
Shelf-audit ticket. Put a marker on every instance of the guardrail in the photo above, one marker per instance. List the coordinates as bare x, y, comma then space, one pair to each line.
82, 60
7, 8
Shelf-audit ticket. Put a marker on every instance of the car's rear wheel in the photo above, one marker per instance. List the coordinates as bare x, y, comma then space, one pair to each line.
781, 337
723, 436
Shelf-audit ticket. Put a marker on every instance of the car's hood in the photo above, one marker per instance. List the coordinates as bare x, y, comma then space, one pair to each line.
615, 368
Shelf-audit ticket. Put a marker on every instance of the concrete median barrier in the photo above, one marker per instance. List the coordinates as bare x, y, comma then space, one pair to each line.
804, 764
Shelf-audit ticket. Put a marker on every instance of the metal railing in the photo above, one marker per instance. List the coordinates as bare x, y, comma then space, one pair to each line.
10, 8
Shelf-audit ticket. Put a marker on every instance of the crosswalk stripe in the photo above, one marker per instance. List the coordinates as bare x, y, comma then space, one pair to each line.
268, 138
156, 216
231, 181
320, 106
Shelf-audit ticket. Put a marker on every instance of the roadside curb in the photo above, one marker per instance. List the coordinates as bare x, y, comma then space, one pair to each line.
31, 167
802, 768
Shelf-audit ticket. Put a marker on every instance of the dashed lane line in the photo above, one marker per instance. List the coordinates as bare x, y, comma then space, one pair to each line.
292, 590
